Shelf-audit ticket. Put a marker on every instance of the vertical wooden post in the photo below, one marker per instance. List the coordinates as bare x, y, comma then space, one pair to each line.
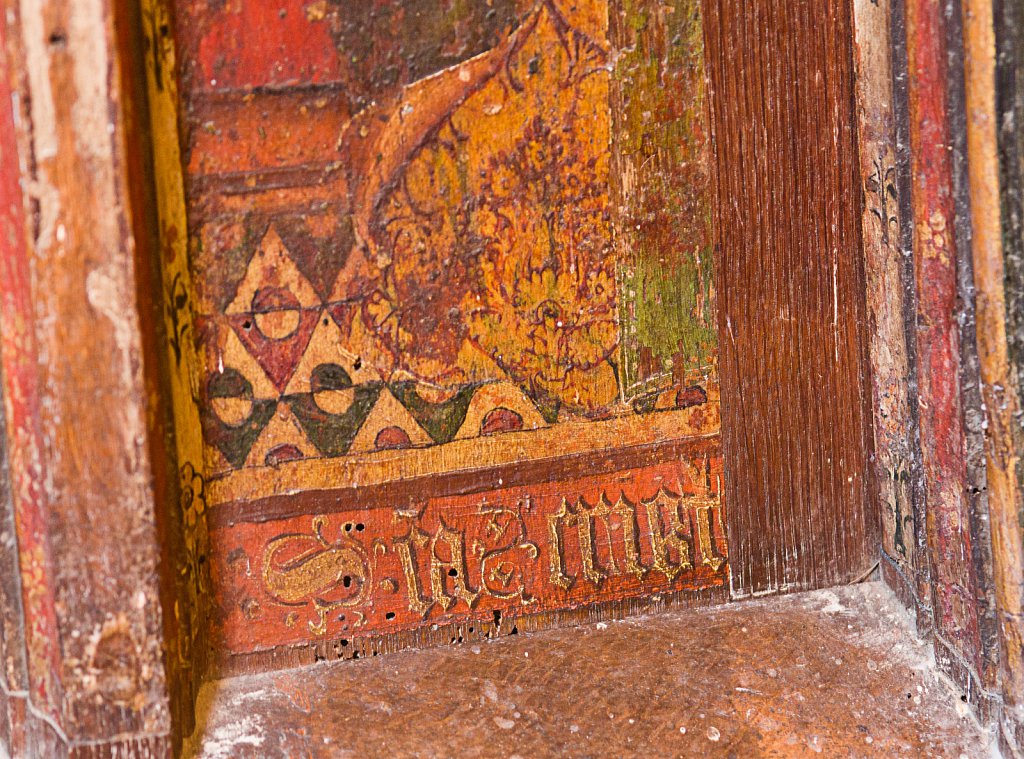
796, 431
1000, 383
77, 398
36, 699
957, 537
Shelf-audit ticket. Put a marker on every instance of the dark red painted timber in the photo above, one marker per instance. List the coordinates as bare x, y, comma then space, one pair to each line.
943, 440
21, 398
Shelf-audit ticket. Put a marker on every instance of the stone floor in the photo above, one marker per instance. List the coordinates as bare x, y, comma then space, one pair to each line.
832, 673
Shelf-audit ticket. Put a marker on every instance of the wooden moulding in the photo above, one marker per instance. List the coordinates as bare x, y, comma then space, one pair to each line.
890, 309
184, 537
1009, 111
919, 589
77, 356
974, 423
993, 208
951, 432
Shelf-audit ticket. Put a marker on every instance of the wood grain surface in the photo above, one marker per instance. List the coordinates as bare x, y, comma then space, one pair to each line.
792, 317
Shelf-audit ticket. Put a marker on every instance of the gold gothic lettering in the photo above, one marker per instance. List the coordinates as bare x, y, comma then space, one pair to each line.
670, 539
453, 568
605, 532
406, 547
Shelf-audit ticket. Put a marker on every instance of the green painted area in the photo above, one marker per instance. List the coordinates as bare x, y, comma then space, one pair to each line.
332, 434
440, 420
662, 193
235, 441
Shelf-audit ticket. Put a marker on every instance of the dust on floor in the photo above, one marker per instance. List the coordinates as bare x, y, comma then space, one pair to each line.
835, 673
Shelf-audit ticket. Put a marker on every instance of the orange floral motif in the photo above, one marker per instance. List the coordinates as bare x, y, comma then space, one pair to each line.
498, 231
507, 236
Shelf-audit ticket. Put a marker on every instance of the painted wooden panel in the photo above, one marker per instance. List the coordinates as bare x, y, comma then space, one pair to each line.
465, 559
464, 255
439, 241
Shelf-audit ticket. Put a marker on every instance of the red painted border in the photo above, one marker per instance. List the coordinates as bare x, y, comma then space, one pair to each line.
404, 567
18, 354
943, 442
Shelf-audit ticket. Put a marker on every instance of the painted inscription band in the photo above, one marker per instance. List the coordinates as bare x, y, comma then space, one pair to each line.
517, 550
